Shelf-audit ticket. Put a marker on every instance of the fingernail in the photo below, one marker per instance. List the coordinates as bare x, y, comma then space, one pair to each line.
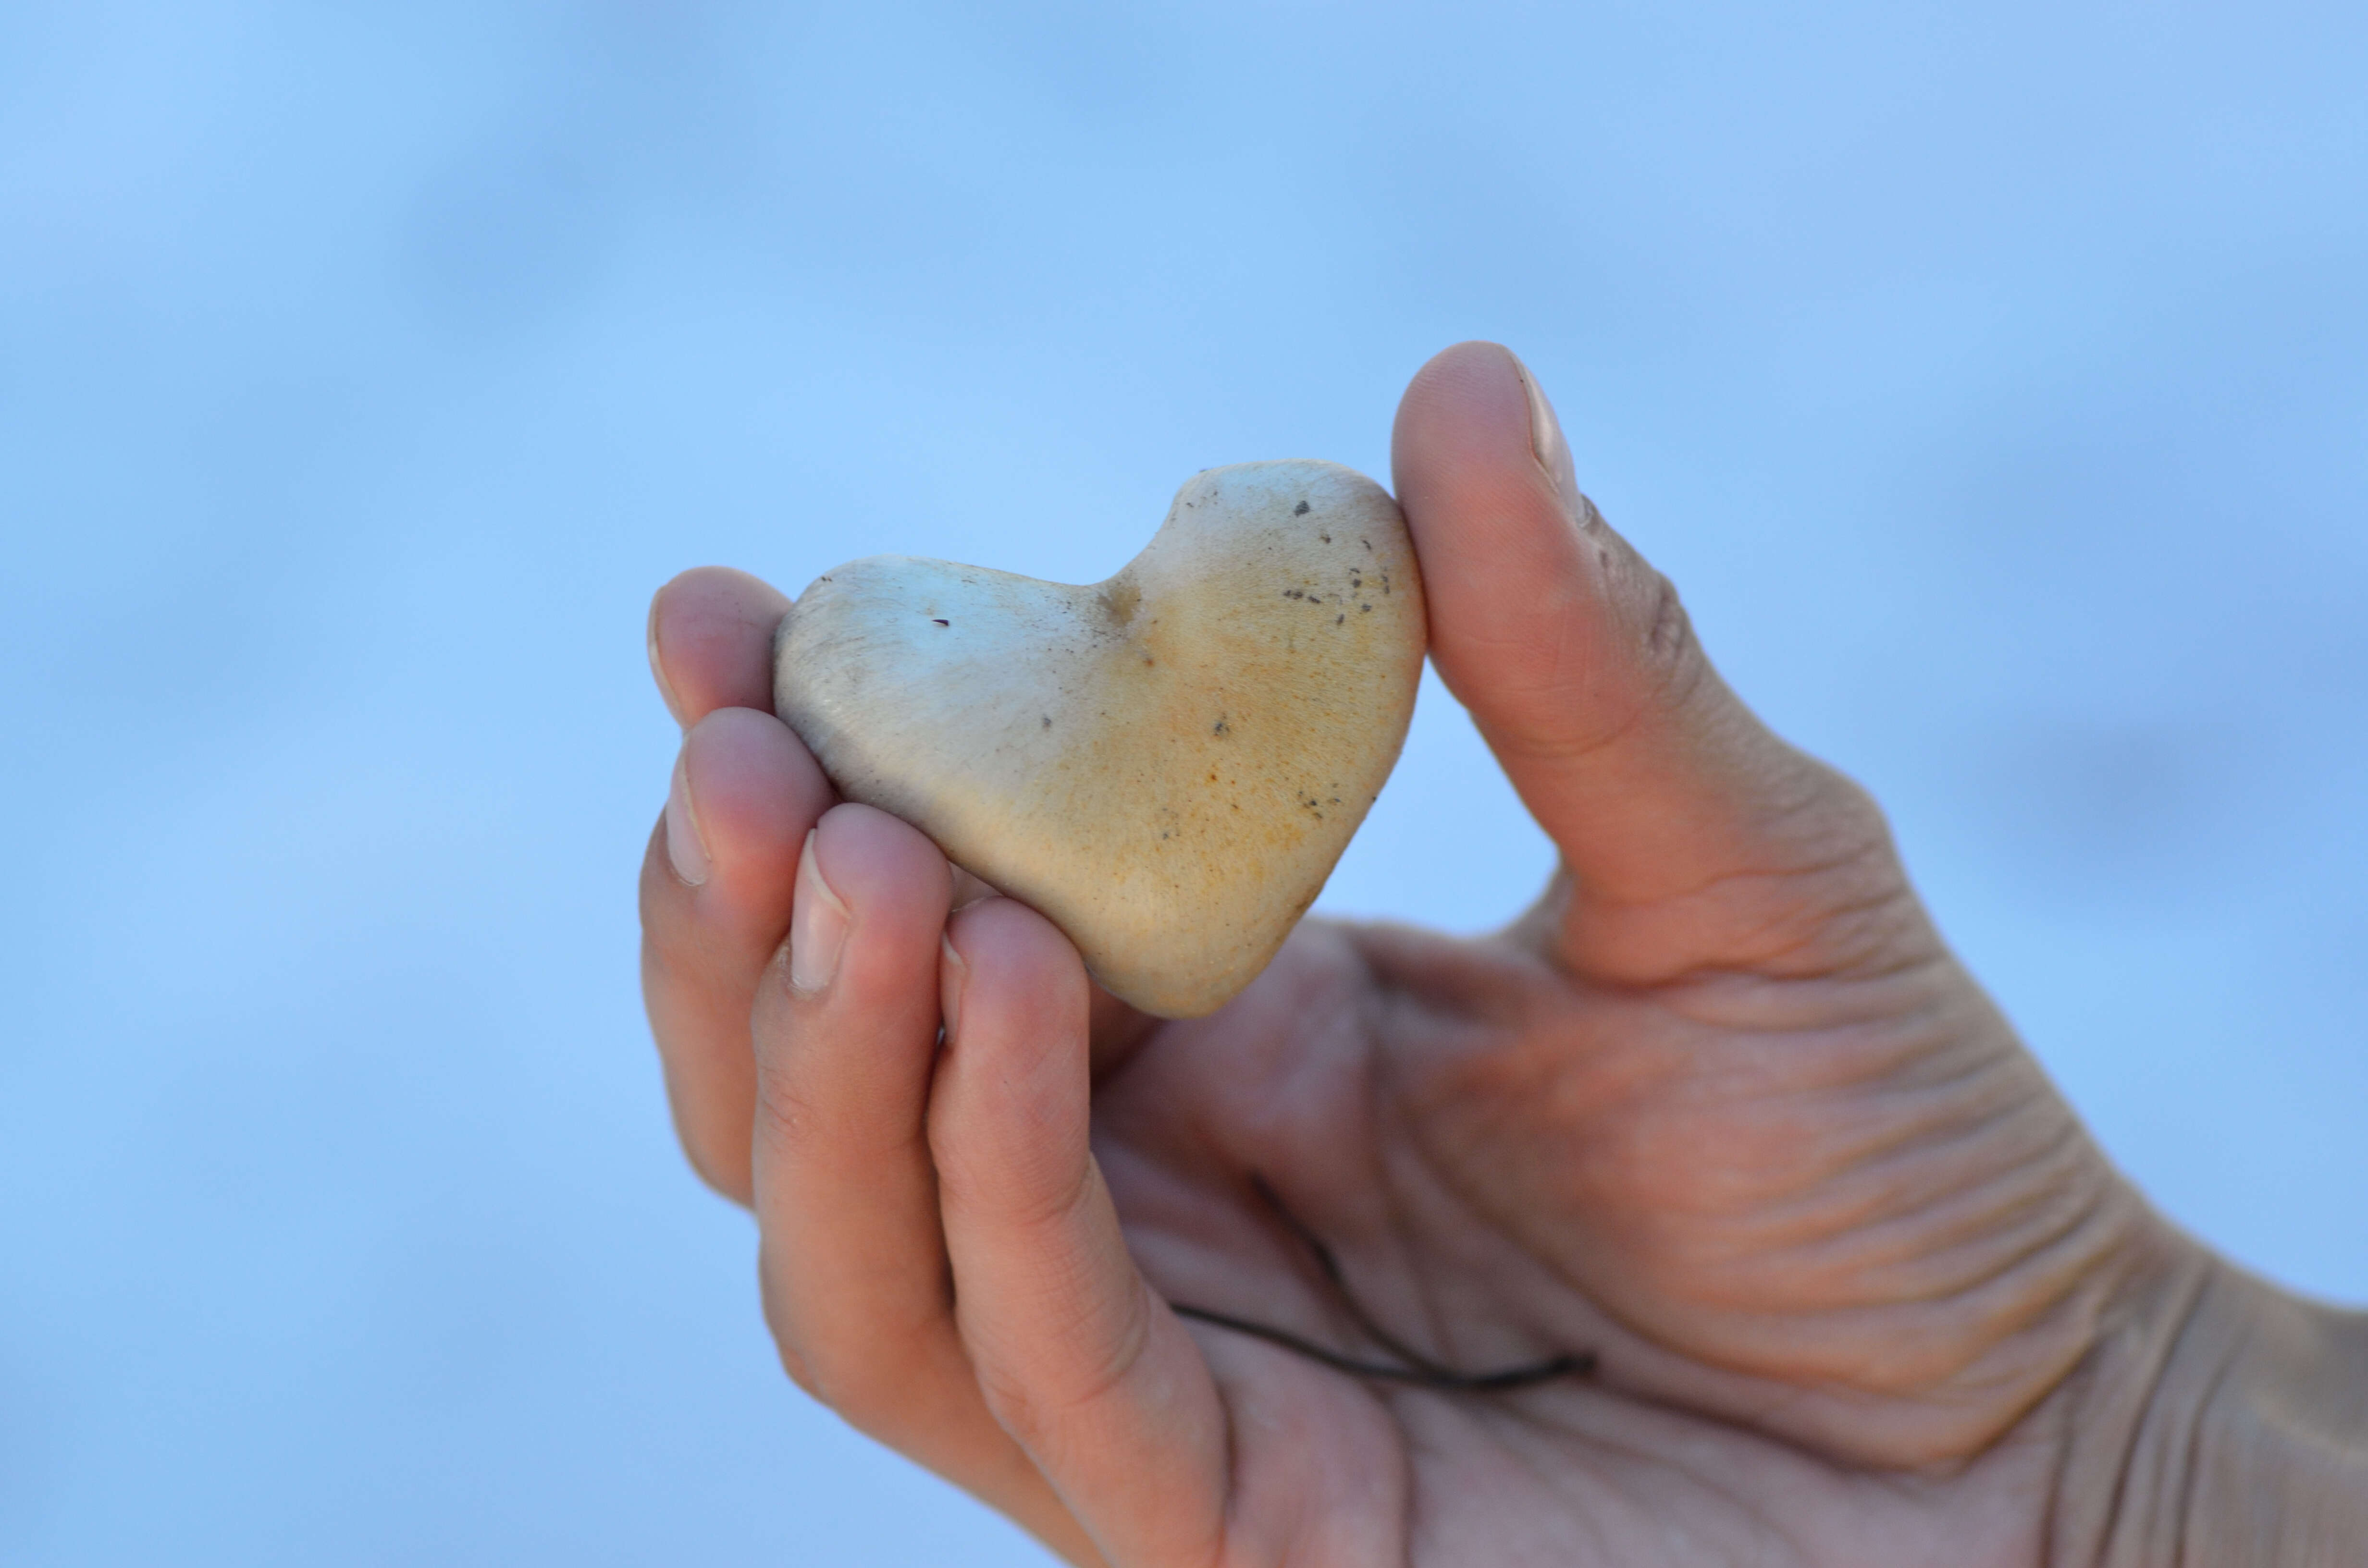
1546, 445
657, 666
817, 928
953, 975
685, 846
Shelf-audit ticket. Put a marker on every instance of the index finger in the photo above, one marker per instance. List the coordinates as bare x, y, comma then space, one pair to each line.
711, 636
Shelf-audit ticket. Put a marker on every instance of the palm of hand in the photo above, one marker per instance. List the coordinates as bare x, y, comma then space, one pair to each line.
1510, 1166
1722, 1112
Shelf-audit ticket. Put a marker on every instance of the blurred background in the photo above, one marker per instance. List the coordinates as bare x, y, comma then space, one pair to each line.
1993, 380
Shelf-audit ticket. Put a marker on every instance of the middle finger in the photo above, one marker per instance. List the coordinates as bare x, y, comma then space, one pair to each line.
857, 1285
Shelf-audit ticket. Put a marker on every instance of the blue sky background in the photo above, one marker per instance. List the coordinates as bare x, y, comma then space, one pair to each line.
1993, 382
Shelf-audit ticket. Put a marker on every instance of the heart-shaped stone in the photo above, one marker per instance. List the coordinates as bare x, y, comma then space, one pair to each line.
1167, 764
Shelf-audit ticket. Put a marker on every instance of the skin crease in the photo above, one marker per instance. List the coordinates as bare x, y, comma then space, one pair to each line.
1721, 1109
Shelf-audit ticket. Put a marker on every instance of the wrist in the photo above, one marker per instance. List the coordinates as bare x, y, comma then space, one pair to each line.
2220, 1421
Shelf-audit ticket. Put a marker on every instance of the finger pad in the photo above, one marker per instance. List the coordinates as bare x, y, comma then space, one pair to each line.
758, 788
711, 633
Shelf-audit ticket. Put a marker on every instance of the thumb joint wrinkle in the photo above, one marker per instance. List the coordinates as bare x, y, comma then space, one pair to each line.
1669, 635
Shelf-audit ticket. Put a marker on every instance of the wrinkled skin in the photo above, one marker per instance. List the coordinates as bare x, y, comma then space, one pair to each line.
1722, 1109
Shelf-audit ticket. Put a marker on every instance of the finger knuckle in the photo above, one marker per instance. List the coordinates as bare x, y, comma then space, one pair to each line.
864, 1388
726, 1175
773, 1299
802, 1372
786, 1115
1016, 1406
1035, 1404
876, 1398
1667, 652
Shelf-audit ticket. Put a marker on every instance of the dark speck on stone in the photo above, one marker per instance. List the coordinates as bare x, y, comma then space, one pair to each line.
1342, 617
1325, 537
1364, 607
1300, 510
1048, 720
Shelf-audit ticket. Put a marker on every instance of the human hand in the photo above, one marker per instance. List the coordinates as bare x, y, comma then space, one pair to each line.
1720, 1114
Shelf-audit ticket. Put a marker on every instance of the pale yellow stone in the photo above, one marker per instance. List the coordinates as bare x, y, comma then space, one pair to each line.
1167, 764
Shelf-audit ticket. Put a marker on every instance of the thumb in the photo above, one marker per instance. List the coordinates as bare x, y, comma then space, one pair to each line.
1691, 837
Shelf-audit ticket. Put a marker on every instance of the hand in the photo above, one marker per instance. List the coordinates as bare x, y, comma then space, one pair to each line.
1720, 1113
